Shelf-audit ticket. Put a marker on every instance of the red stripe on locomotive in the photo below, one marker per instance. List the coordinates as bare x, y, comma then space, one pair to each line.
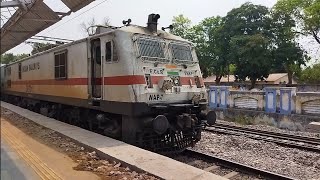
115, 80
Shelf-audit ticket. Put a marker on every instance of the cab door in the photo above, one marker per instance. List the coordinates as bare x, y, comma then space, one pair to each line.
96, 73
108, 57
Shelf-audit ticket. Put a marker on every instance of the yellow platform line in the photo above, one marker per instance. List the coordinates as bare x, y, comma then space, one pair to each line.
33, 160
21, 152
41, 168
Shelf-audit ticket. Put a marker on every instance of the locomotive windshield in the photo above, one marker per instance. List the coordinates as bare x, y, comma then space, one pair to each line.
151, 49
181, 52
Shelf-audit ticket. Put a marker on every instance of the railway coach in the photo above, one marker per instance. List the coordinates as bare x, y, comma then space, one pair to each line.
137, 84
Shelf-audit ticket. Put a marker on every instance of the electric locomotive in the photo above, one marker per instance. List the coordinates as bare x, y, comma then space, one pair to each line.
137, 84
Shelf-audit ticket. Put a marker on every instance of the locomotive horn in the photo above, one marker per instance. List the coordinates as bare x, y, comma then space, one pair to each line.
126, 23
153, 22
169, 27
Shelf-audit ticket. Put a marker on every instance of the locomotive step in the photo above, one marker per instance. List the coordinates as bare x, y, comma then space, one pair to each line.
137, 158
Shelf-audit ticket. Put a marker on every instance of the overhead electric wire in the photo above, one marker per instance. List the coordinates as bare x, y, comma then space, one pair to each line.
48, 37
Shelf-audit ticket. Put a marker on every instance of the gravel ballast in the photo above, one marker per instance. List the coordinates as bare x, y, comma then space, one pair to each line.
272, 129
263, 155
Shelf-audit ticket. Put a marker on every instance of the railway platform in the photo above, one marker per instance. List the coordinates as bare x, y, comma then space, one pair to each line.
134, 157
25, 158
13, 167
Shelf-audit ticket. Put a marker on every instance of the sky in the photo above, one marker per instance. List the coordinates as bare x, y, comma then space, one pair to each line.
138, 10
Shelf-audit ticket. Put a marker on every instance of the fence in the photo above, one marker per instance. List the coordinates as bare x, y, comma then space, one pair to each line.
283, 100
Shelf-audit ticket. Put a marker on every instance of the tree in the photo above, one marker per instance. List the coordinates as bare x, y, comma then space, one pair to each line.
207, 39
252, 56
211, 47
89, 28
248, 33
311, 74
36, 48
288, 55
306, 14
181, 26
9, 57
291, 56
40, 47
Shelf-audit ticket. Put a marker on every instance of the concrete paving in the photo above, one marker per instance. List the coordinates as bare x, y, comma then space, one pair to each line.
13, 167
155, 164
56, 166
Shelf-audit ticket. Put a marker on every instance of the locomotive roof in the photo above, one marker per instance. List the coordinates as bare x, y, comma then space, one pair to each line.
144, 30
134, 29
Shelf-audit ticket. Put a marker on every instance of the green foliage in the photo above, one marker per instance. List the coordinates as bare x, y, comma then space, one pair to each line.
9, 57
248, 31
251, 56
182, 26
36, 48
232, 69
243, 120
288, 55
249, 19
39, 47
207, 39
210, 45
251, 41
311, 74
306, 14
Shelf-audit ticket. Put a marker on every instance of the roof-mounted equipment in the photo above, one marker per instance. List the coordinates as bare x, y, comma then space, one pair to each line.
153, 22
126, 22
169, 27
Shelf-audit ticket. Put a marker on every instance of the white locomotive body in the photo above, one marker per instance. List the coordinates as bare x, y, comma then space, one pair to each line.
138, 84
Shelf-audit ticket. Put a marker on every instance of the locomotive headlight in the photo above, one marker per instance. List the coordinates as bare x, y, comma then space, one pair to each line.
176, 80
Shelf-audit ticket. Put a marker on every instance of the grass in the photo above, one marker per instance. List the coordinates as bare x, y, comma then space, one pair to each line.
242, 120
248, 120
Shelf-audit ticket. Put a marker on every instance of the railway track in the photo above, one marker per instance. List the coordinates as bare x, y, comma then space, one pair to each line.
235, 170
301, 142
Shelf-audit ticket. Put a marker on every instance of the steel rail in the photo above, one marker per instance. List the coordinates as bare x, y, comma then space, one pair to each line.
302, 142
235, 165
304, 139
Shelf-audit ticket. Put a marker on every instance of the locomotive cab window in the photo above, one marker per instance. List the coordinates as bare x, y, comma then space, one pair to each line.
60, 65
181, 52
98, 54
151, 49
111, 52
